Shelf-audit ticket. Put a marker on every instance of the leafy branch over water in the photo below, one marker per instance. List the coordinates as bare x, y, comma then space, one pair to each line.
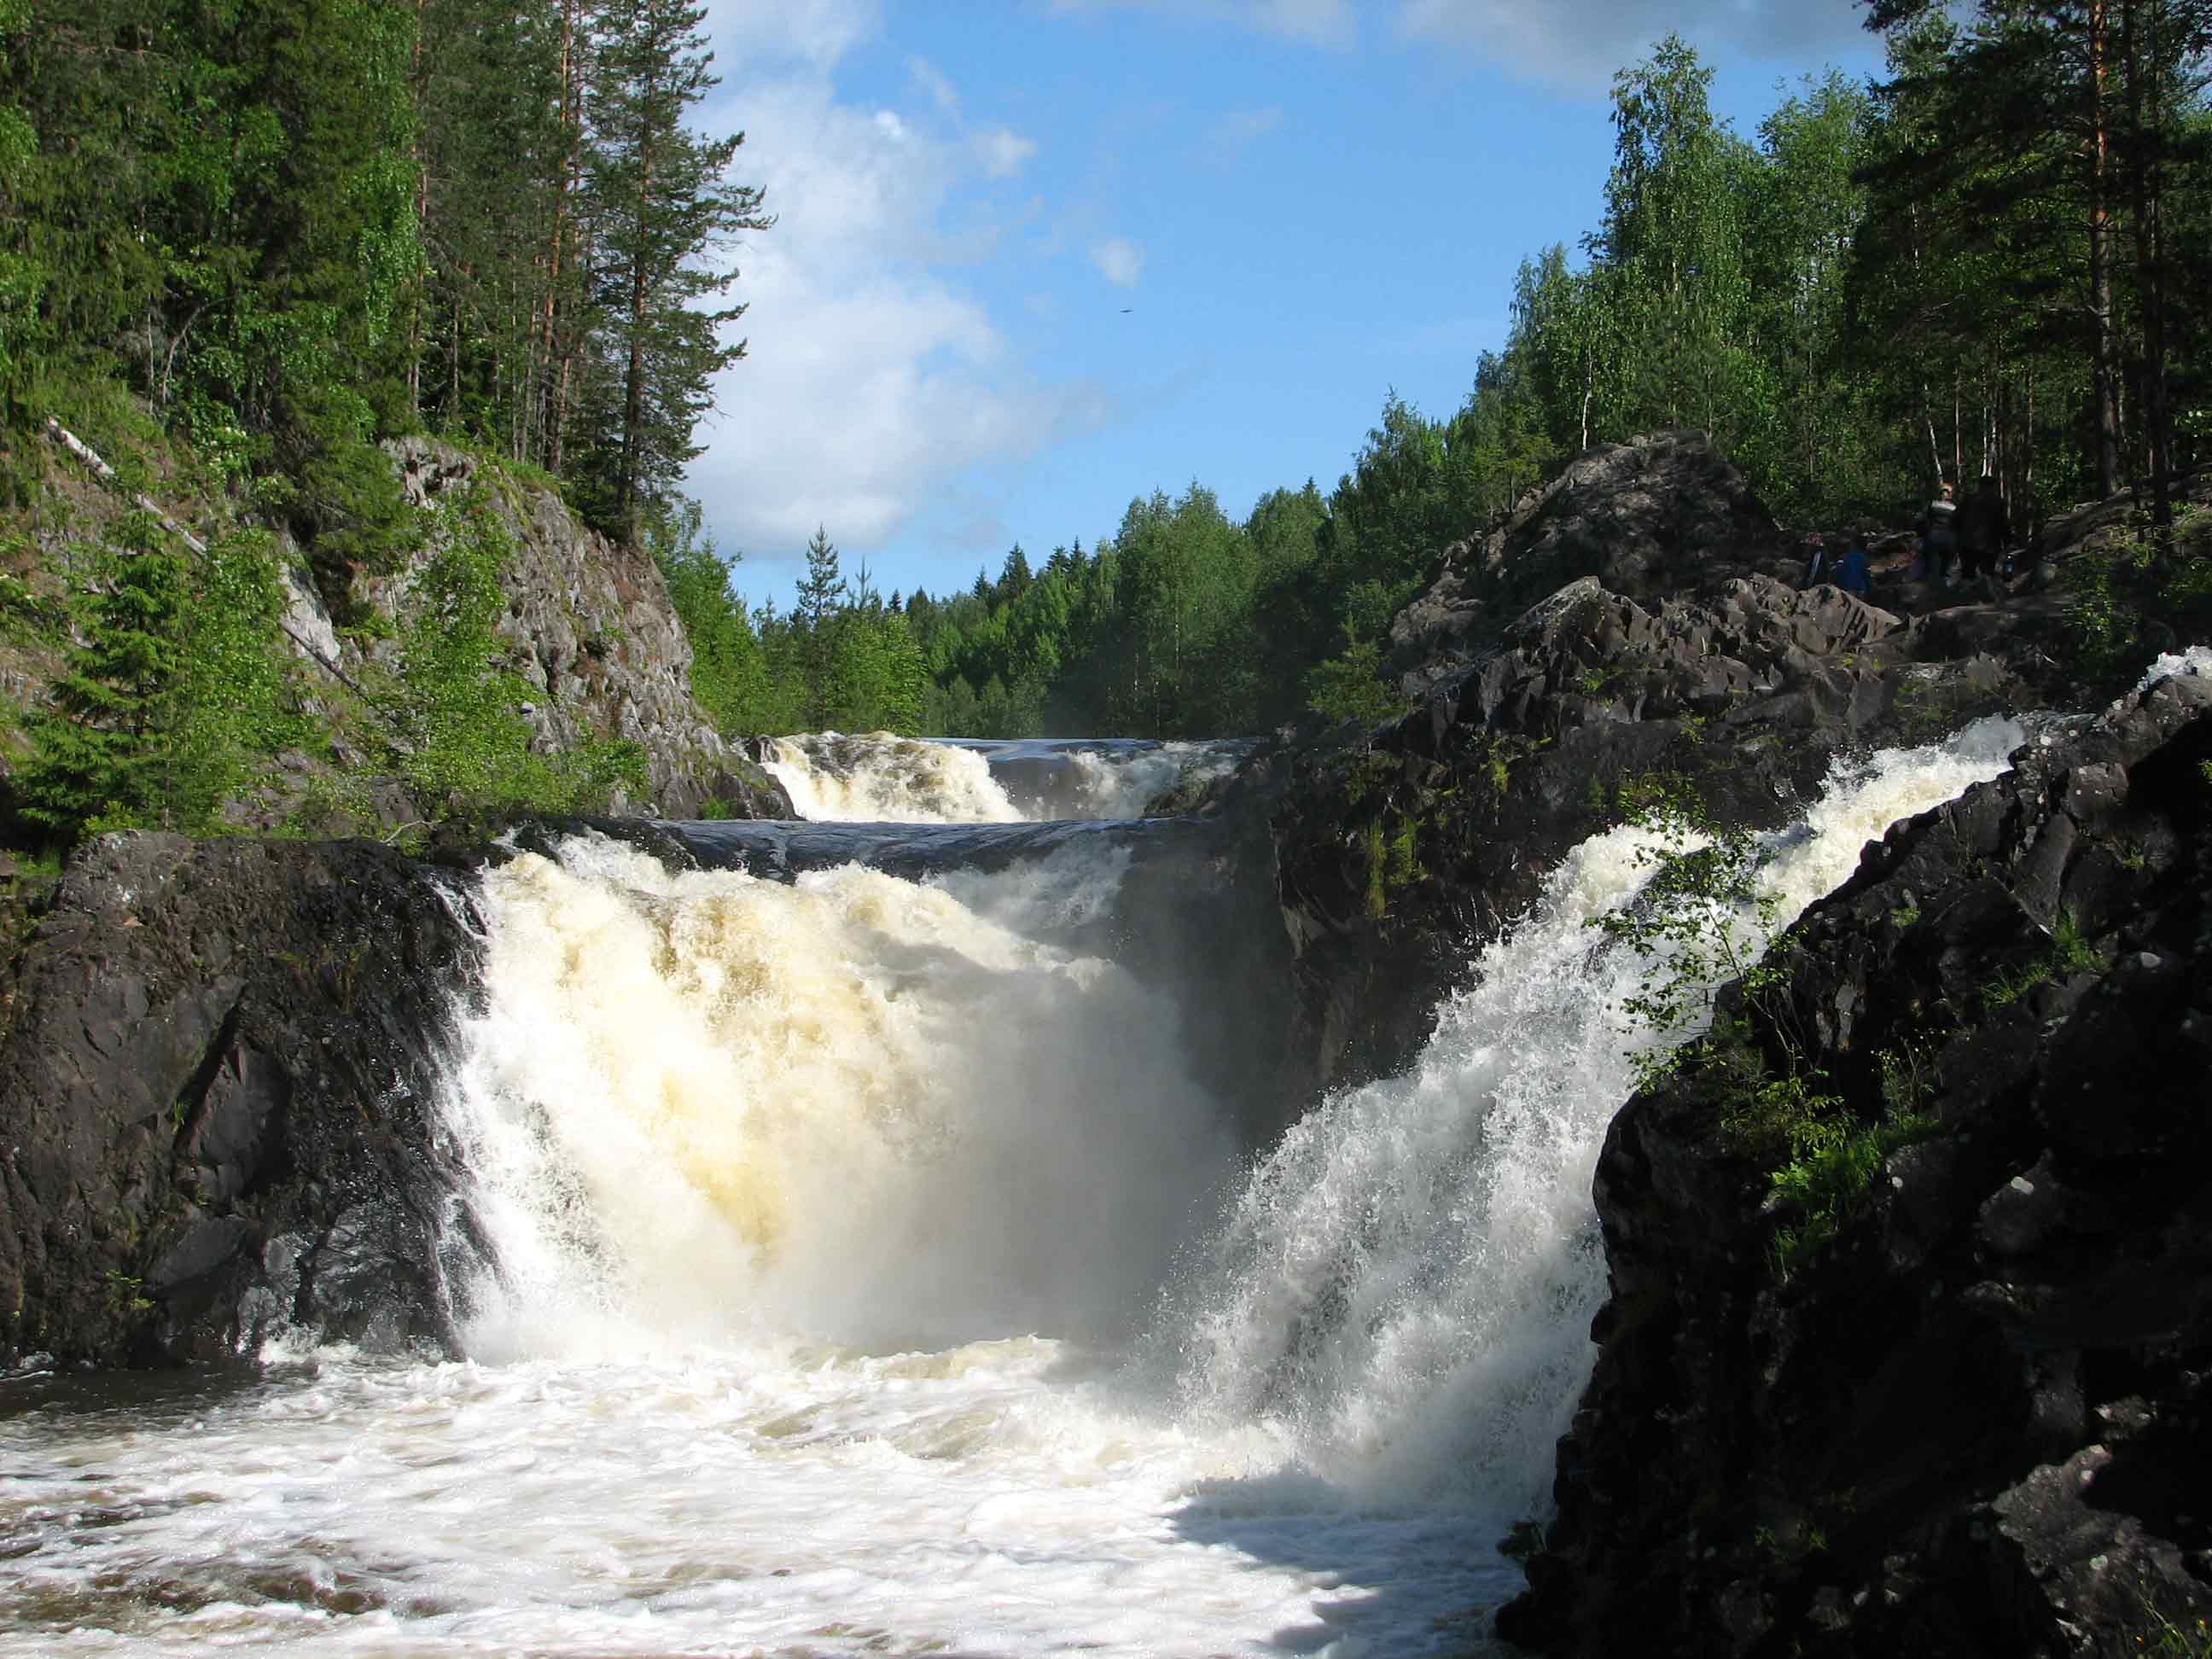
1701, 921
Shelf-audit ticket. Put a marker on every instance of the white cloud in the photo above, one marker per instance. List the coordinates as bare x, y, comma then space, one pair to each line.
1002, 151
1231, 133
1315, 22
933, 80
816, 32
1579, 44
873, 382
1118, 260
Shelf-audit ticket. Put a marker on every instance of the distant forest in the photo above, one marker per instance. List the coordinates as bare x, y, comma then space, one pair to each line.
286, 230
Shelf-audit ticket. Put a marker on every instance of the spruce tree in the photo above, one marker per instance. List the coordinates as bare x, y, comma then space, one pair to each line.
821, 599
105, 754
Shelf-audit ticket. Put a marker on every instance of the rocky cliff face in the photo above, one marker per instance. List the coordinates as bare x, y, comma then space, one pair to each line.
591, 629
215, 1076
1398, 853
1976, 1419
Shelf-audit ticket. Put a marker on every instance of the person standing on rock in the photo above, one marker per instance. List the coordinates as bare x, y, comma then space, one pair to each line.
1939, 537
1816, 565
1983, 528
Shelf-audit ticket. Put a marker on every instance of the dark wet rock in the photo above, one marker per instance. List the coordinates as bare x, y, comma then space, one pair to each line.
216, 1078
1398, 853
1976, 1418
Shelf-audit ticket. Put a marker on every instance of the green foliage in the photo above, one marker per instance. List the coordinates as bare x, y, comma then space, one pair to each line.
1350, 686
173, 696
2168, 1640
1832, 1166
1699, 920
1392, 859
457, 736
731, 675
2070, 953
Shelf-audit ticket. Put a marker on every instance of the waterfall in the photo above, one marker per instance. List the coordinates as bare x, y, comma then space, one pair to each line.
872, 1276
878, 778
876, 1111
1405, 1286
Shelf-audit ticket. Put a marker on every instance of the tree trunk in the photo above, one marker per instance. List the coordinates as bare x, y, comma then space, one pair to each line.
415, 308
634, 376
2100, 252
2140, 33
564, 184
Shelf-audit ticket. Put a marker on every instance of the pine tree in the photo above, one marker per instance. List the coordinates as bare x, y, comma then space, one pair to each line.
660, 204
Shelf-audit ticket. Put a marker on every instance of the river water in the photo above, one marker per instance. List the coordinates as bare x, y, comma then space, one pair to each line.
874, 1278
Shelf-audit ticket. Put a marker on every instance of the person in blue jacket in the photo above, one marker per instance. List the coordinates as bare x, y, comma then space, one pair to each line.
1852, 573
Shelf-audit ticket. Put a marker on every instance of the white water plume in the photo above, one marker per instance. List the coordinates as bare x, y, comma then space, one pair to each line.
1120, 785
1405, 1286
876, 777
2195, 660
857, 1107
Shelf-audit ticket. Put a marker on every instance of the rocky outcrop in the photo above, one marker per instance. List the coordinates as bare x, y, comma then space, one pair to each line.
592, 631
216, 1078
1971, 1411
1664, 515
1398, 853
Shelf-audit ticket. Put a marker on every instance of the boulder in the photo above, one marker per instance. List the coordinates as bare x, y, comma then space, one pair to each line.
1399, 851
1664, 515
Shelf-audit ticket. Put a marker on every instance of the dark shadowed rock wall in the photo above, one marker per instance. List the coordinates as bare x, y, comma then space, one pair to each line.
216, 1078
1977, 1418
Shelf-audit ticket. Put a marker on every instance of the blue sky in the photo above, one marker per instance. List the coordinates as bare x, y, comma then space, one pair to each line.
1037, 256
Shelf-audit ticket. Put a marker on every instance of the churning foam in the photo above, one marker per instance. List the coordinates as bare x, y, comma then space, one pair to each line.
876, 777
1115, 784
856, 1107
1405, 1286
2195, 660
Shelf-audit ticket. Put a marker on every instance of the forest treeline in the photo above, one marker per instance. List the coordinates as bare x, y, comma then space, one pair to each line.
1997, 260
254, 240
293, 227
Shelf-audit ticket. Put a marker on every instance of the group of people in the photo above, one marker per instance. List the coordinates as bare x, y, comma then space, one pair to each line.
1956, 540
1968, 540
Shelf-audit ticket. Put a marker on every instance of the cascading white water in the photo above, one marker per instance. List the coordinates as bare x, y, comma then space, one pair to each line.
1120, 787
823, 1214
856, 1107
875, 777
1405, 1284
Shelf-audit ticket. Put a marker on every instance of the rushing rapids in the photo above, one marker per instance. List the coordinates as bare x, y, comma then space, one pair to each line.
875, 777
874, 1276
